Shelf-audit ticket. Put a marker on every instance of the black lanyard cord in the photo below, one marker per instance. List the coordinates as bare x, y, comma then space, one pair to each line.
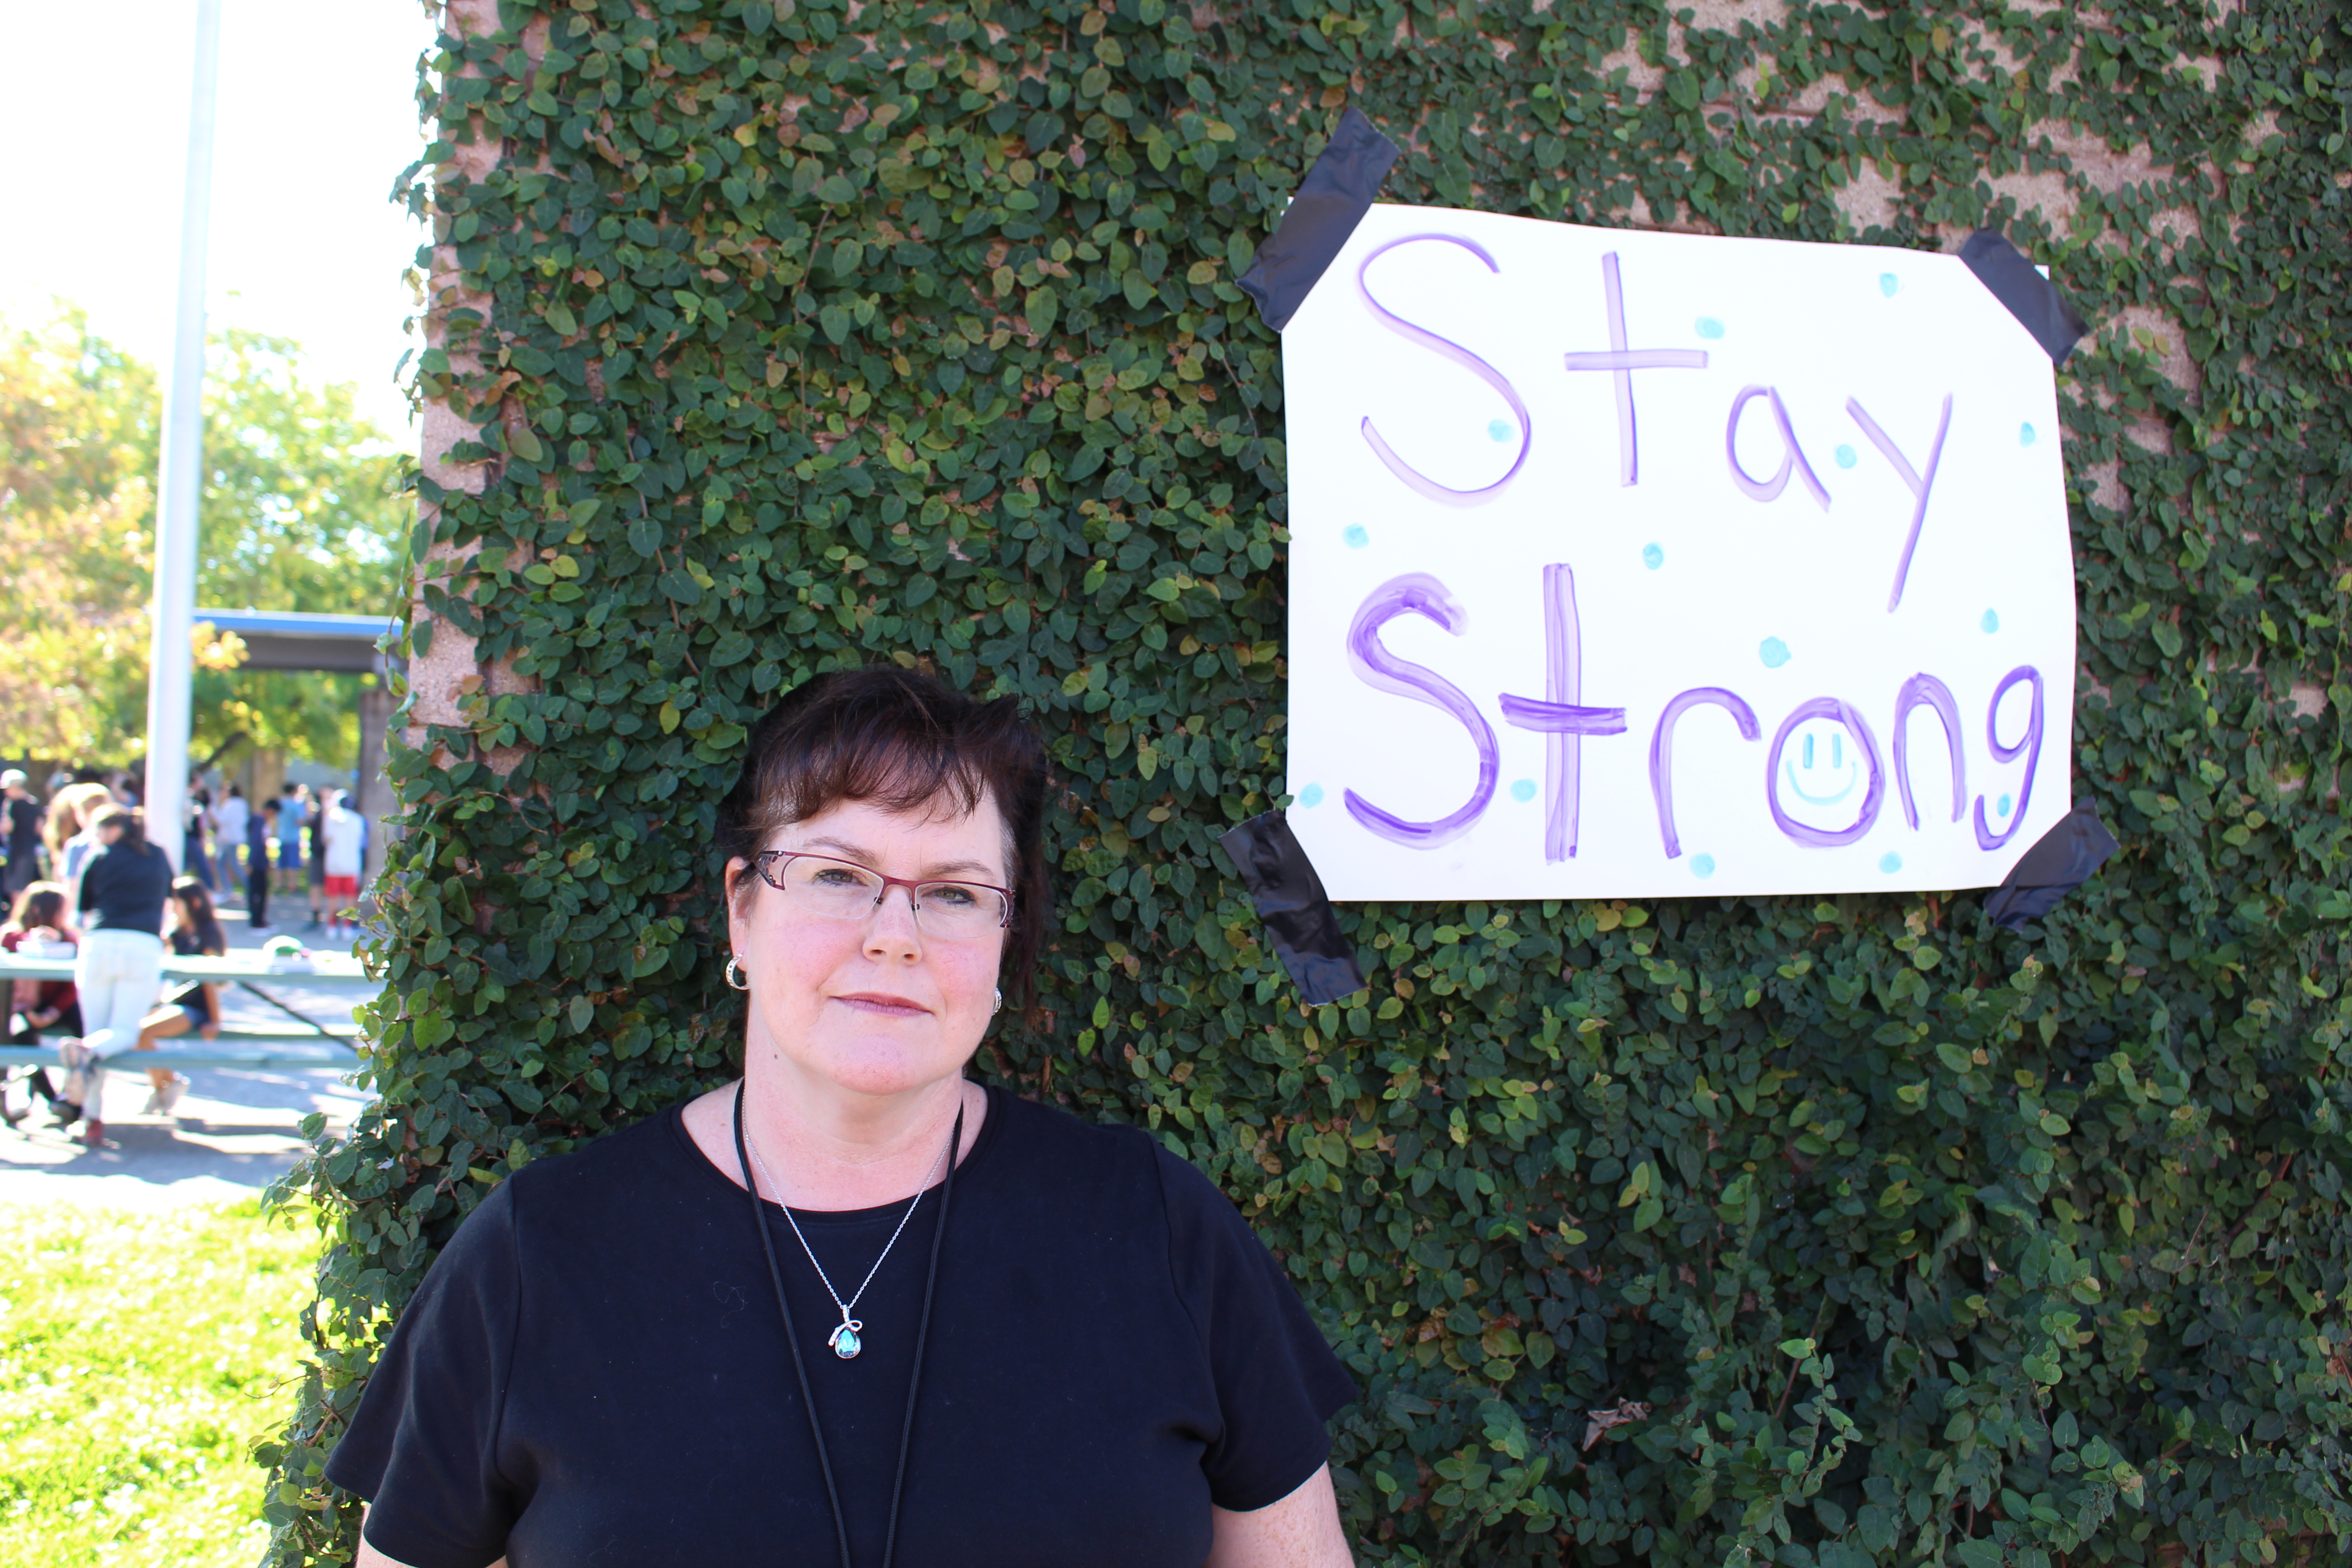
792, 1336
923, 1331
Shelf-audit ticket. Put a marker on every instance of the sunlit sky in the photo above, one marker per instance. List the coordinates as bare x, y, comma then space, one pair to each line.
318, 115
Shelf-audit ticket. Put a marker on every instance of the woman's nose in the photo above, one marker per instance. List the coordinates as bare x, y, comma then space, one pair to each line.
892, 927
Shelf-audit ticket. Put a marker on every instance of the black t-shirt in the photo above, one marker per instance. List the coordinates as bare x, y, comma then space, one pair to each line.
24, 827
123, 887
594, 1368
185, 944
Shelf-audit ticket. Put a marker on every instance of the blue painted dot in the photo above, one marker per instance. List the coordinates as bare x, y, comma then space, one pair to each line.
1500, 429
1709, 326
1523, 789
1847, 456
2025, 435
1312, 795
1653, 557
1702, 866
1991, 622
1356, 536
1888, 283
2003, 805
1774, 653
1890, 862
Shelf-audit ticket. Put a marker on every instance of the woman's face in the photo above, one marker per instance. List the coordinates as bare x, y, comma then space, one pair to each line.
876, 1005
109, 833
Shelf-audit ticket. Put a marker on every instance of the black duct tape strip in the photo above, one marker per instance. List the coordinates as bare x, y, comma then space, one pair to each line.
1331, 201
2059, 861
1292, 904
2001, 267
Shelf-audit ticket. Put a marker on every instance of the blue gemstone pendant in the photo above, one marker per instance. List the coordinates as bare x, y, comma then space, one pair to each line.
844, 1341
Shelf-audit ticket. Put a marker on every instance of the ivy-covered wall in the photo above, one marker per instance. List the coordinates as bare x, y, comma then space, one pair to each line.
776, 337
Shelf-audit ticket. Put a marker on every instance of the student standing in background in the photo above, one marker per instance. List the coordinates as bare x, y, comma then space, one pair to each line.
229, 818
259, 828
290, 839
314, 853
71, 829
24, 815
196, 811
343, 839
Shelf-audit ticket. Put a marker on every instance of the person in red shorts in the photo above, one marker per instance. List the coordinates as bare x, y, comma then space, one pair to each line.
342, 837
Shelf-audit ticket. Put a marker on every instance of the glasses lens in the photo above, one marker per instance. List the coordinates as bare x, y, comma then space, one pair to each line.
830, 888
841, 890
959, 909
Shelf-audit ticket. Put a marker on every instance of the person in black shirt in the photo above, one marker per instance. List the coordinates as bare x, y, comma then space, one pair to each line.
23, 845
314, 847
260, 826
981, 1333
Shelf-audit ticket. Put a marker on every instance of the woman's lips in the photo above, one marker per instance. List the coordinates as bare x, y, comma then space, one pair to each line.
883, 1003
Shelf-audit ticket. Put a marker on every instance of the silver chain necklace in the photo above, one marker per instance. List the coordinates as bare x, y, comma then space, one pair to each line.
845, 1341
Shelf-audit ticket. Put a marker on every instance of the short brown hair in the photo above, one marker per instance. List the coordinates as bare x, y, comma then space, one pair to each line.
902, 741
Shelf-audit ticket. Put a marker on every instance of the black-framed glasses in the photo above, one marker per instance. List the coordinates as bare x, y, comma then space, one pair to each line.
845, 890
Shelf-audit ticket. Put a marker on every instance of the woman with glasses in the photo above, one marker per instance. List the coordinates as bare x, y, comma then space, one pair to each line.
854, 1307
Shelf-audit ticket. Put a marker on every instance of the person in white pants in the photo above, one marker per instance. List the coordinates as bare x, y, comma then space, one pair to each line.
118, 968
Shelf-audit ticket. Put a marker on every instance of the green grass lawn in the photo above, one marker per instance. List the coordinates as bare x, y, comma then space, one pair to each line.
140, 1356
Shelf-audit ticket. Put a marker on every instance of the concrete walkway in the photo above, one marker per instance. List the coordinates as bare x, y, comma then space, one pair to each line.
235, 1131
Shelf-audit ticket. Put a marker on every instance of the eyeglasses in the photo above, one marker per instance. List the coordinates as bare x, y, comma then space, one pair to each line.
844, 891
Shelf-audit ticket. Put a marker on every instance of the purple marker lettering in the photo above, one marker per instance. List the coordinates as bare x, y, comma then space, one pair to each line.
1621, 362
1662, 751
1564, 724
1920, 485
2028, 748
1418, 594
1927, 691
1818, 837
1421, 483
1793, 457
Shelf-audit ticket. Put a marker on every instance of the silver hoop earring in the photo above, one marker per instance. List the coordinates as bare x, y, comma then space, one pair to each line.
1000, 1004
735, 975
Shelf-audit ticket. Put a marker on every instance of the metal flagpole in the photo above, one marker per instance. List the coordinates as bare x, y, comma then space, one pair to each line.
179, 489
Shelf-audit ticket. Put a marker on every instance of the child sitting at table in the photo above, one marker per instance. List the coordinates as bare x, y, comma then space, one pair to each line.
36, 928
195, 928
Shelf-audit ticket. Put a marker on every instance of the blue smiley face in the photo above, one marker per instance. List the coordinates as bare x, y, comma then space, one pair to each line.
1819, 765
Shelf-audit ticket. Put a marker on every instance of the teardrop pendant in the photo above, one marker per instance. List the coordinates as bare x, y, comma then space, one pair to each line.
844, 1341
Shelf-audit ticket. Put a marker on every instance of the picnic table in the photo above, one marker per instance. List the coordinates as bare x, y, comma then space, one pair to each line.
313, 1042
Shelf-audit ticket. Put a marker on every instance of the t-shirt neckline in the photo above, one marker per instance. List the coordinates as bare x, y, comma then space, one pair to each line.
707, 1171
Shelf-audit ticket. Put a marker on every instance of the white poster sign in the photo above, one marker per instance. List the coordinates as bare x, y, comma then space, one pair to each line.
1645, 565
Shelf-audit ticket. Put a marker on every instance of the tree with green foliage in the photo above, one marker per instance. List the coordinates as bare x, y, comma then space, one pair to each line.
77, 448
302, 509
1823, 1231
